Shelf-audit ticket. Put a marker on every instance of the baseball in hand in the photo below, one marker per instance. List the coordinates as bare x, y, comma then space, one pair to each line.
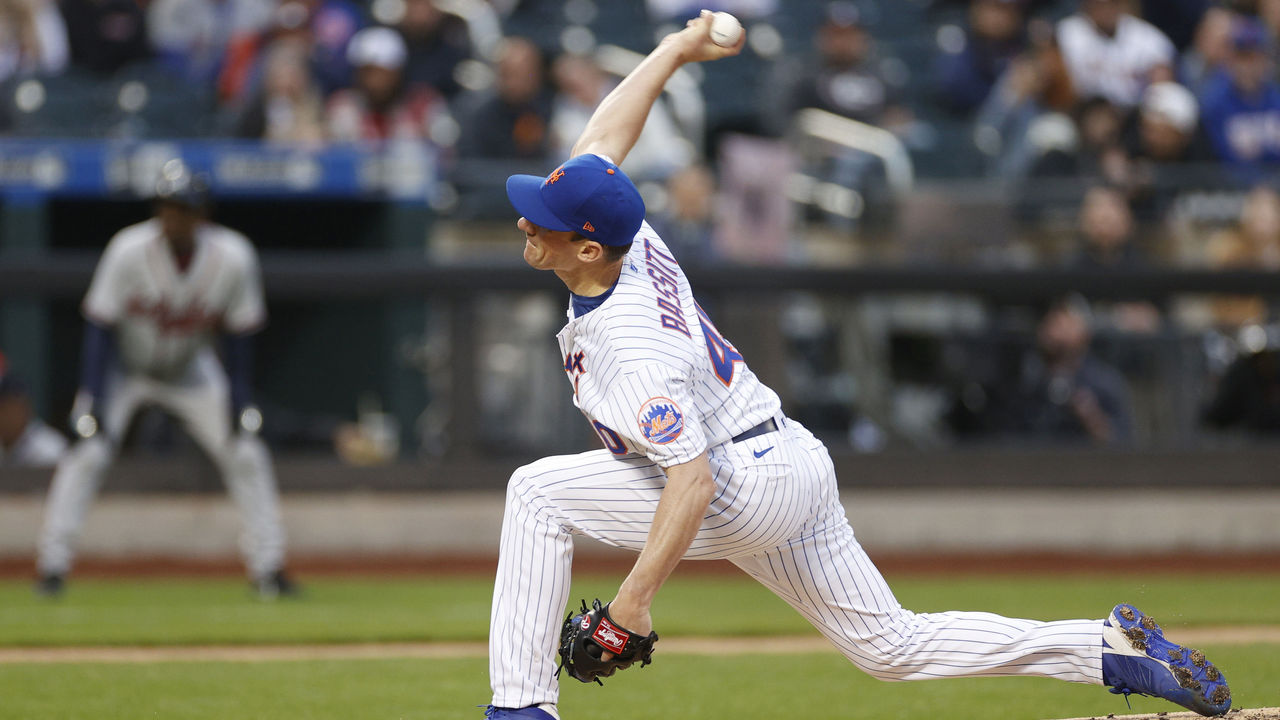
725, 29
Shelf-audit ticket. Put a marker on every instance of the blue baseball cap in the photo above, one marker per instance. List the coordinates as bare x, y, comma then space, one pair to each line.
587, 195
1249, 35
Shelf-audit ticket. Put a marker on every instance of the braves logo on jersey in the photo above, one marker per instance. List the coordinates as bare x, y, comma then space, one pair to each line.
170, 320
660, 420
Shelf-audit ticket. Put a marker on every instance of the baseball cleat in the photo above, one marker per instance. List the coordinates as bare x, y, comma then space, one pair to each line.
276, 584
526, 713
1136, 658
50, 585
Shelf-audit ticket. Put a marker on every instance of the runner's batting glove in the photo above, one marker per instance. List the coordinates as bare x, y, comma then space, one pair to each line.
248, 421
84, 420
586, 636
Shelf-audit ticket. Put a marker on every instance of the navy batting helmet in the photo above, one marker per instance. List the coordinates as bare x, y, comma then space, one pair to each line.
177, 184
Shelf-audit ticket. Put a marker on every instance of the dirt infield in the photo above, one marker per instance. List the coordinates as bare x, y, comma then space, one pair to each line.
733, 646
1271, 713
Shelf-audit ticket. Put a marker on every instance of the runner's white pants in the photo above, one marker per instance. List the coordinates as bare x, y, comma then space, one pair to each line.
200, 401
779, 518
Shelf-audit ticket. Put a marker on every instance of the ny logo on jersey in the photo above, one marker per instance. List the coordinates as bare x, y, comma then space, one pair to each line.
573, 364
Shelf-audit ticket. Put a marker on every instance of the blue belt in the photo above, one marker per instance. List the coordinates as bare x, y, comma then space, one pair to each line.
767, 426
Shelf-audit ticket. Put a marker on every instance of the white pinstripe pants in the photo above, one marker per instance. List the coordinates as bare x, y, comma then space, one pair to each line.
778, 518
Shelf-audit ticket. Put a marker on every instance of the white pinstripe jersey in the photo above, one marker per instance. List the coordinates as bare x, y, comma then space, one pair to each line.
650, 370
162, 315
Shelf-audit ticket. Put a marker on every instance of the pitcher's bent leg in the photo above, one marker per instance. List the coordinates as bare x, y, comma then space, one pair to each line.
529, 596
596, 494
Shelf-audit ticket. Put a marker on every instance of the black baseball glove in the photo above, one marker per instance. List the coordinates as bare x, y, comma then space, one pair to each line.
589, 634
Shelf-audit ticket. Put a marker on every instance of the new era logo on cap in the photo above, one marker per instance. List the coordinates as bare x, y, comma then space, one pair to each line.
587, 195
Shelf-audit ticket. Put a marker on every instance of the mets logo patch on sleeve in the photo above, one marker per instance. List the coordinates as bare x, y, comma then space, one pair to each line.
660, 420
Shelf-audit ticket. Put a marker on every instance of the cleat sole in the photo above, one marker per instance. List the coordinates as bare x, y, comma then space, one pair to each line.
1135, 645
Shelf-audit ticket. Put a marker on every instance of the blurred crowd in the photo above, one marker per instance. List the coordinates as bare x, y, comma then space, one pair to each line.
1129, 133
1150, 97
1153, 98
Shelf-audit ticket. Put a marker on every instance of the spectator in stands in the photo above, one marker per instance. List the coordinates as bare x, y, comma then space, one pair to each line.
1167, 126
1056, 391
687, 223
965, 73
1112, 54
24, 439
333, 24
1257, 234
1107, 243
289, 21
1085, 144
844, 77
1252, 243
379, 106
1241, 106
1101, 156
1106, 230
1165, 155
190, 37
1210, 49
289, 108
1060, 391
512, 119
326, 26
1063, 392
33, 38
105, 35
1024, 116
437, 43
662, 148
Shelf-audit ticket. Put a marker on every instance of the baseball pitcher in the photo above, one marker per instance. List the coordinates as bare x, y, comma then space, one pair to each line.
700, 462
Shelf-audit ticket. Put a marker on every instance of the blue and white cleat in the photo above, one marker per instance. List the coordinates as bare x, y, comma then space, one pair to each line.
1136, 658
526, 713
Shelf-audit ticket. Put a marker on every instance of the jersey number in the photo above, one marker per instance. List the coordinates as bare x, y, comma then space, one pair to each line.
723, 356
609, 438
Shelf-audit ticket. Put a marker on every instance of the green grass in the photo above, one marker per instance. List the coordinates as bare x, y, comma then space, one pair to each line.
677, 687
150, 612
